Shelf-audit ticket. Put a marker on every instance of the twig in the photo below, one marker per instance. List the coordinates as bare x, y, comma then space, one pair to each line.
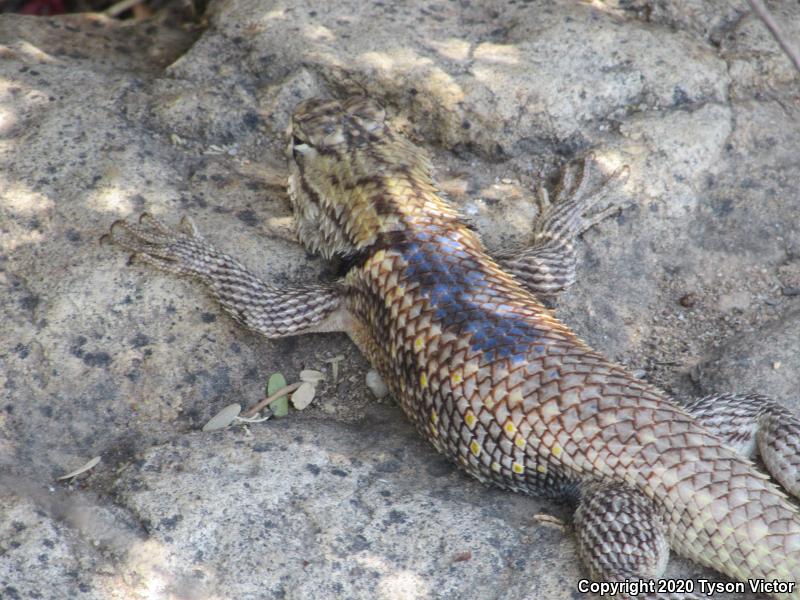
270, 399
120, 7
763, 13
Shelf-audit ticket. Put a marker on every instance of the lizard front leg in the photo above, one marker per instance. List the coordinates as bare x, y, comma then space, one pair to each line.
548, 265
271, 311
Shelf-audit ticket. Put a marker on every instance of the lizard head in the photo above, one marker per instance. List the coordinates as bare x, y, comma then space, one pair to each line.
352, 178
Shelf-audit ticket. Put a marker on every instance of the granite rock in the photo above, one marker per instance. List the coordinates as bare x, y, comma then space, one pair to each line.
100, 120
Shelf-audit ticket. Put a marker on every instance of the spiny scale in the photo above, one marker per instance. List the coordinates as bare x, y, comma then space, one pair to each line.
488, 374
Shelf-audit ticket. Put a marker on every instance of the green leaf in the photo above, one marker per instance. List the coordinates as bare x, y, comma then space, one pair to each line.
279, 406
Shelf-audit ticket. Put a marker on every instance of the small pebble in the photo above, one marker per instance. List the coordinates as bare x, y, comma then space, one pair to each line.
376, 385
688, 300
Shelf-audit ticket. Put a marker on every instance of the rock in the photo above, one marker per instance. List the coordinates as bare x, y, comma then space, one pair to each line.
101, 120
313, 509
747, 364
57, 543
735, 301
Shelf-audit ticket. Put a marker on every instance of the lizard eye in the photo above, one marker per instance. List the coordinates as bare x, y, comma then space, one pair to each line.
367, 112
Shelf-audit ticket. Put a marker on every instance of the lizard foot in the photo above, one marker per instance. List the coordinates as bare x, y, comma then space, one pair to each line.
582, 198
548, 265
180, 250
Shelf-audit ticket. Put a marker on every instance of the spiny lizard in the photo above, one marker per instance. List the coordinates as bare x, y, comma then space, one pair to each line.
488, 374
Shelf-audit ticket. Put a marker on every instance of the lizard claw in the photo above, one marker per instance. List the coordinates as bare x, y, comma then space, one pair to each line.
188, 227
177, 250
582, 199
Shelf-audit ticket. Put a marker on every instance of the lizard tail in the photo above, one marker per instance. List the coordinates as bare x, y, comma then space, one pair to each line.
724, 514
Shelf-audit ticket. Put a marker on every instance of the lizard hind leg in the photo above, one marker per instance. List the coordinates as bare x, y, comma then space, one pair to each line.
753, 424
622, 538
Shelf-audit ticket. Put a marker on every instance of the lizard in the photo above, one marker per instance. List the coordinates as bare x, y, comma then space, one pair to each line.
488, 374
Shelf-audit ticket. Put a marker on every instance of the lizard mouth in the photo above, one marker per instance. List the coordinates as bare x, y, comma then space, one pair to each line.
299, 148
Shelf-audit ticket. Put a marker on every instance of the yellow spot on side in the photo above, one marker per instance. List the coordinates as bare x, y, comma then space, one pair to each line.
470, 419
557, 450
510, 428
455, 378
434, 431
379, 256
519, 441
475, 447
419, 343
423, 380
496, 466
434, 417
517, 468
542, 469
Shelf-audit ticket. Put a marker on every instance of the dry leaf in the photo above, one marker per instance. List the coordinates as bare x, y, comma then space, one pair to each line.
223, 418
304, 395
80, 470
312, 376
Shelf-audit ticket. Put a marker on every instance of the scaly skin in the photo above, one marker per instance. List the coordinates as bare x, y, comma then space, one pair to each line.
484, 370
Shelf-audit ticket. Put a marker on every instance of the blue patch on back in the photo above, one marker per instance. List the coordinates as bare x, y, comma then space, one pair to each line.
451, 278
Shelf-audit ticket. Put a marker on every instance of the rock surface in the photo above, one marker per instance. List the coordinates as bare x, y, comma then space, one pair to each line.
691, 284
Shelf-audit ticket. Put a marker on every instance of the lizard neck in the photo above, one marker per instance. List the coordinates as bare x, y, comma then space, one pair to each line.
343, 211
